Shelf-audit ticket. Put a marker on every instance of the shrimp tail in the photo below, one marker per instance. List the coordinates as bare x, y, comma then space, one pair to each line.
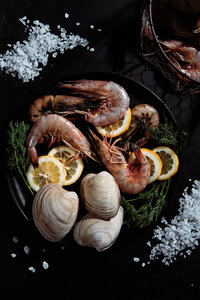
96, 143
32, 152
138, 153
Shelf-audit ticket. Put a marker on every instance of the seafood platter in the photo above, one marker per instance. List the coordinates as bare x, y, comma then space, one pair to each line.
91, 156
170, 40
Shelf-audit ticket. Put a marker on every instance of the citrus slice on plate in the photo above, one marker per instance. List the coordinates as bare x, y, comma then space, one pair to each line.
170, 162
154, 161
72, 167
116, 128
50, 170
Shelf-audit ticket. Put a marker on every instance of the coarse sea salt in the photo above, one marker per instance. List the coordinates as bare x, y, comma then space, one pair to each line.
27, 249
183, 232
26, 59
32, 269
45, 265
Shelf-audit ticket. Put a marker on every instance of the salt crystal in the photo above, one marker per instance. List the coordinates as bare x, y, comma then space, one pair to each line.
32, 269
45, 265
136, 259
13, 255
66, 15
92, 26
143, 265
92, 50
78, 23
36, 22
15, 239
54, 54
27, 249
149, 243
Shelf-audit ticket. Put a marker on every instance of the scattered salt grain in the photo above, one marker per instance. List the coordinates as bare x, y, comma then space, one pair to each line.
143, 265
182, 234
66, 15
15, 239
27, 58
45, 265
54, 54
32, 269
149, 243
27, 249
92, 26
136, 259
13, 255
92, 50
78, 23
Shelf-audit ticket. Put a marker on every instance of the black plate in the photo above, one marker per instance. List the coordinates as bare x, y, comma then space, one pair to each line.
138, 94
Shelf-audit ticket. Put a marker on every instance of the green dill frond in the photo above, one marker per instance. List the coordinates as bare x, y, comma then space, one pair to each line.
151, 203
17, 152
166, 135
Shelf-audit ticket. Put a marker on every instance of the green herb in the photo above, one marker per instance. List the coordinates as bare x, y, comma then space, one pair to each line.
166, 135
17, 153
144, 208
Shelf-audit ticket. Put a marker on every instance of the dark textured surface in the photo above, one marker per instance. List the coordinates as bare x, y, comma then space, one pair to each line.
116, 50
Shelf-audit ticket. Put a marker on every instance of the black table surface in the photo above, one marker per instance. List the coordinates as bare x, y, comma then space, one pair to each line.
77, 269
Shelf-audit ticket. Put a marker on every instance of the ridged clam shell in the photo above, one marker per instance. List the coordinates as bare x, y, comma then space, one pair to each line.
54, 211
97, 233
100, 194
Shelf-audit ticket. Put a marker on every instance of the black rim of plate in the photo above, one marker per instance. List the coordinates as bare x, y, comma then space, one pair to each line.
138, 94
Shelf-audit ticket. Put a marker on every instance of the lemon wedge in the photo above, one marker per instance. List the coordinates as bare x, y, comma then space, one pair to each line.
154, 161
116, 128
170, 162
73, 168
50, 170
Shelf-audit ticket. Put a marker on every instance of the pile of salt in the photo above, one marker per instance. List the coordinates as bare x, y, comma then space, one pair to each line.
26, 59
182, 234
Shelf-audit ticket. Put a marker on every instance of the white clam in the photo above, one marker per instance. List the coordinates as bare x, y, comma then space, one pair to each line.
54, 211
97, 233
100, 194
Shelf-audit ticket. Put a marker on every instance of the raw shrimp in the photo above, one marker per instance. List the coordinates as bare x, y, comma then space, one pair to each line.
58, 128
143, 117
132, 178
100, 102
185, 57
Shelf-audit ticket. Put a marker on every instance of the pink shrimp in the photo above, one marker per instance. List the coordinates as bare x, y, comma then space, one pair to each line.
185, 57
58, 128
132, 178
100, 102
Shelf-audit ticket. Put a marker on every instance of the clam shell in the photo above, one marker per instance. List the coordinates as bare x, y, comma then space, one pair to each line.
54, 211
97, 233
100, 194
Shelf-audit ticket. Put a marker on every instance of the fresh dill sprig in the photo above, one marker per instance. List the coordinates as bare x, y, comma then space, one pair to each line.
17, 152
166, 135
144, 209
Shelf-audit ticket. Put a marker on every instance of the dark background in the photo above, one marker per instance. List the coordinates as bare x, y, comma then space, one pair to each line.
81, 270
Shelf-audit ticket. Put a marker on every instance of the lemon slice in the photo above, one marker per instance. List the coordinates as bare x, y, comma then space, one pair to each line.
170, 162
49, 170
74, 168
154, 161
116, 128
